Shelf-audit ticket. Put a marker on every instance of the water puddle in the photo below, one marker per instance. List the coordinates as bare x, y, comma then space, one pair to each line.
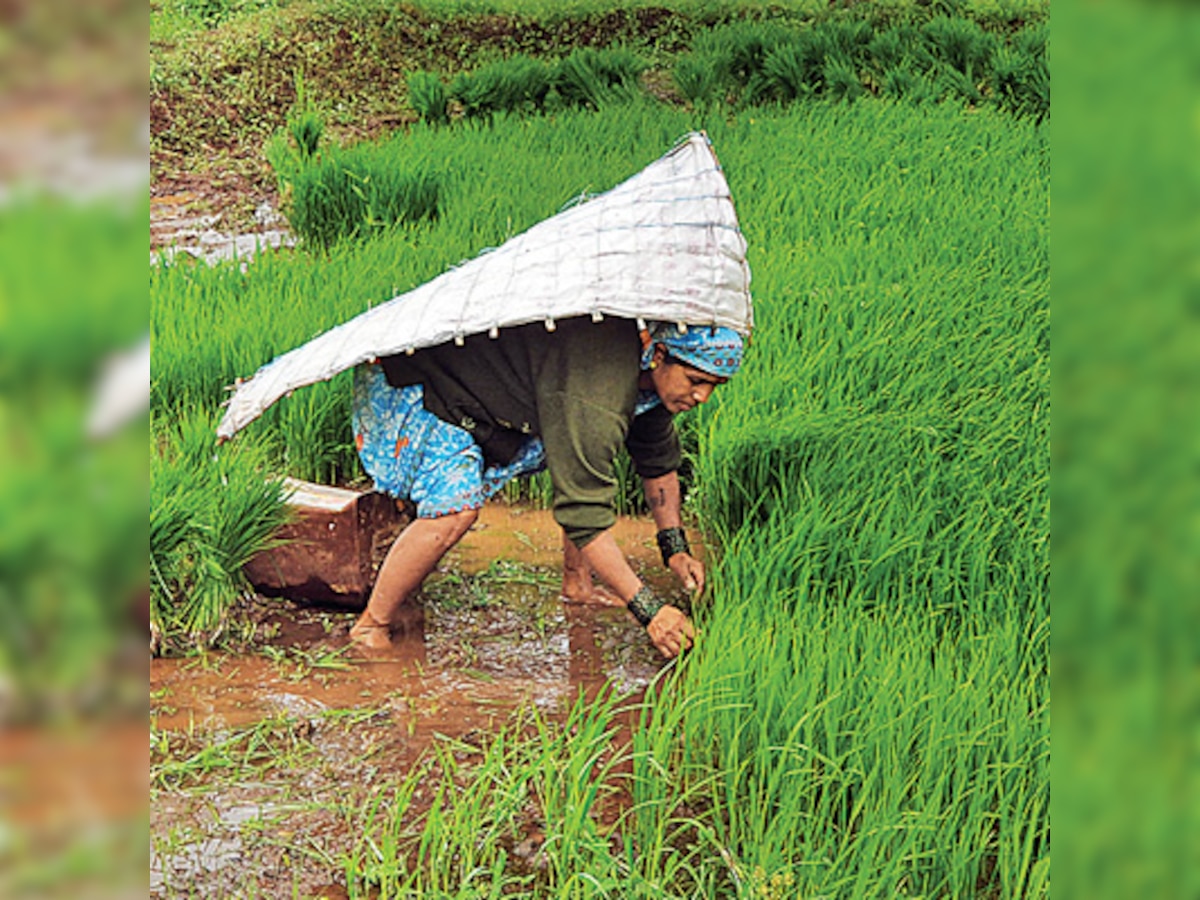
177, 229
309, 725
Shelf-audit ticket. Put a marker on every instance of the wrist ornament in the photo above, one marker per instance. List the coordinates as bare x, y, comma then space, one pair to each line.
644, 605
672, 541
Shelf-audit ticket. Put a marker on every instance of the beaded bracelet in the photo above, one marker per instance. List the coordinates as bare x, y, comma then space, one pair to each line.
644, 606
672, 541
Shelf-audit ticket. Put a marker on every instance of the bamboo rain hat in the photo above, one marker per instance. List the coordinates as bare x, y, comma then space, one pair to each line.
664, 245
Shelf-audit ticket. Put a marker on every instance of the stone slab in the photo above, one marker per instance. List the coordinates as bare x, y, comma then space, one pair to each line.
333, 548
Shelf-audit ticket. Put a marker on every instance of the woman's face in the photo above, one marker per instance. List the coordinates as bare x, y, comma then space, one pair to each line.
680, 386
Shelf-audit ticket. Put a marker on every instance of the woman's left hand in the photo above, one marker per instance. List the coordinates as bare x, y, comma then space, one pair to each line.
689, 571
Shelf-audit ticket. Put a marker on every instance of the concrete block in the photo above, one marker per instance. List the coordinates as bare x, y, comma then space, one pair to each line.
334, 546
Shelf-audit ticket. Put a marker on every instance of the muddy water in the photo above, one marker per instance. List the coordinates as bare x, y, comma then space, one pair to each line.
490, 633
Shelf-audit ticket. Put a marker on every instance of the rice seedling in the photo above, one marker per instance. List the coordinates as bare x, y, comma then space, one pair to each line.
181, 761
517, 84
740, 50
698, 78
841, 80
901, 83
1021, 75
960, 44
794, 69
427, 94
209, 514
338, 197
596, 78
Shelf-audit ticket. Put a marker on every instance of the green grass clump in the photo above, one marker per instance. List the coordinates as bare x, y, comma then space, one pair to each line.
1022, 74
347, 195
427, 94
943, 58
210, 513
595, 78
519, 84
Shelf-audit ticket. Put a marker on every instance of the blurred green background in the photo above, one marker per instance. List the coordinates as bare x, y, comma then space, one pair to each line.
73, 529
1126, 450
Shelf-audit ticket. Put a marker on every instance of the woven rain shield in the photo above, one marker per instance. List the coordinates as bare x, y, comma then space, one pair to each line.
663, 245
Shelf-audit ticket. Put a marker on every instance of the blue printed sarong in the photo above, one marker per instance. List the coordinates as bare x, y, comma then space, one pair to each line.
409, 452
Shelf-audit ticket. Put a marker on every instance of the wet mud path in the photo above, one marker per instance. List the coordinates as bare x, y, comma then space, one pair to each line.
259, 761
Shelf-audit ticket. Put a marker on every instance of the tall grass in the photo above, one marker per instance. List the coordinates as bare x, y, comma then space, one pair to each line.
866, 713
209, 514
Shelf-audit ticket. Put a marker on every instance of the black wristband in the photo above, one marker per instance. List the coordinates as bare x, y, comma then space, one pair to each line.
672, 541
644, 605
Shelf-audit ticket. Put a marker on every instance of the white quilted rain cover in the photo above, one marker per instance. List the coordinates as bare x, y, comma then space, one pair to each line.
663, 245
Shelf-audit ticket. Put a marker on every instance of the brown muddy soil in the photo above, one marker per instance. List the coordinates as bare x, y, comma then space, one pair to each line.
260, 762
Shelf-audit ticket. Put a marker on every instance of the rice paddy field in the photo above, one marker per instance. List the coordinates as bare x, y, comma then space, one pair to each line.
866, 712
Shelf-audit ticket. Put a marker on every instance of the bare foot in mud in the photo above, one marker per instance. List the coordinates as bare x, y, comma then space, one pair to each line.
579, 589
367, 634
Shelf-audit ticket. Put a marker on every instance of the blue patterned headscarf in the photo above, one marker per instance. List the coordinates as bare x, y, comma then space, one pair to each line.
715, 350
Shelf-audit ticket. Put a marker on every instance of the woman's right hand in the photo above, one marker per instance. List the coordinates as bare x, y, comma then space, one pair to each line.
671, 631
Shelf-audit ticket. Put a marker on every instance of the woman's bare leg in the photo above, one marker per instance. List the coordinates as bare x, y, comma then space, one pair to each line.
578, 586
413, 556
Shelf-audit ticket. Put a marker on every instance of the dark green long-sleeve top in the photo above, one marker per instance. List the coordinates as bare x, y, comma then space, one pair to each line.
575, 387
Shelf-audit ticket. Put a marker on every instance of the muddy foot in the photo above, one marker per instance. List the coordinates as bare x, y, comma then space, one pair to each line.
371, 635
592, 595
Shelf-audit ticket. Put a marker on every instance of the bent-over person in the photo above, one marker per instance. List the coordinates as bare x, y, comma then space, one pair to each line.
448, 426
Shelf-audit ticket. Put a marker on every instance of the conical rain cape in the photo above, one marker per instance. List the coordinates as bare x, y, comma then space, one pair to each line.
663, 245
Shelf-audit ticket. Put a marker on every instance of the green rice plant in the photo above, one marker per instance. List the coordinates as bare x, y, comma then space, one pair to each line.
902, 83
850, 39
210, 513
316, 443
304, 123
954, 85
960, 44
517, 84
343, 196
1021, 76
739, 50
795, 69
700, 79
179, 762
889, 48
841, 80
523, 811
1032, 40
427, 94
306, 129
596, 78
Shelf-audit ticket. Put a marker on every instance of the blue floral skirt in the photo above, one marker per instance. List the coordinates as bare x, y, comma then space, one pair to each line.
411, 453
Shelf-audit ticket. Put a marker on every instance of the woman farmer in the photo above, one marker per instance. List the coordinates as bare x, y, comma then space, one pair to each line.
449, 425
